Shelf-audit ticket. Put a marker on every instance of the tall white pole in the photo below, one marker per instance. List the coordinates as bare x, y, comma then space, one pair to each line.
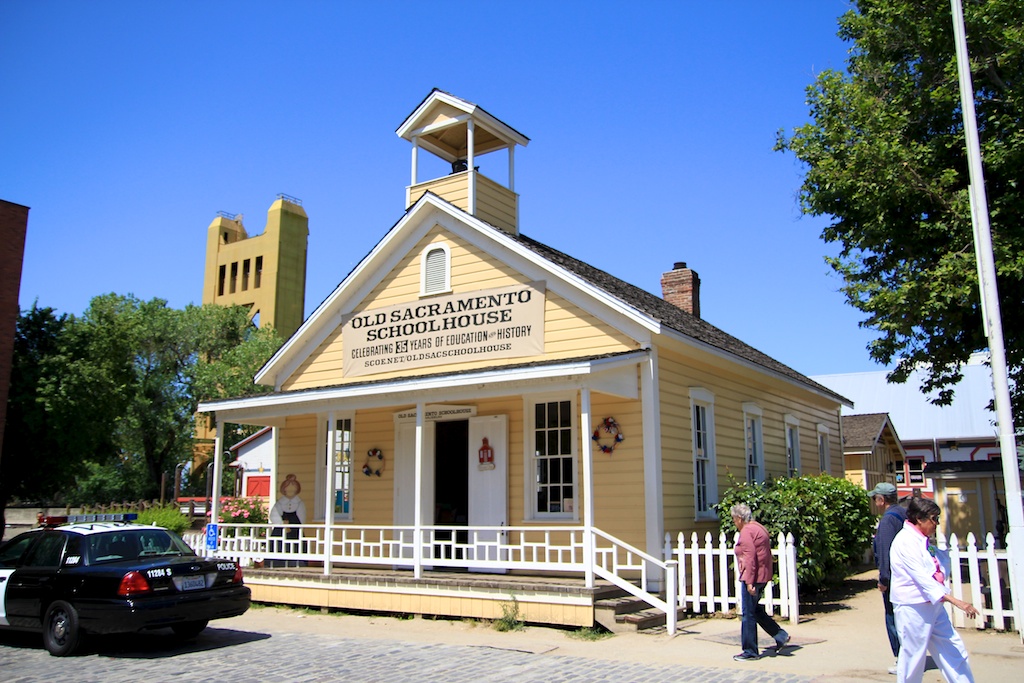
992, 320
218, 466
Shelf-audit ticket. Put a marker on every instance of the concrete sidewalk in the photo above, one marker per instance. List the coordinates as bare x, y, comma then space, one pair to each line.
840, 640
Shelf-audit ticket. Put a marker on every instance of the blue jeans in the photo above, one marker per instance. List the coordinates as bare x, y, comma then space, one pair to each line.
890, 625
754, 615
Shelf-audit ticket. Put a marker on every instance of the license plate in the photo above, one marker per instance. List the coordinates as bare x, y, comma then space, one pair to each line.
191, 583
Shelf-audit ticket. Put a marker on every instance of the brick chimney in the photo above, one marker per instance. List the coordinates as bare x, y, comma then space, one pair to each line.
681, 287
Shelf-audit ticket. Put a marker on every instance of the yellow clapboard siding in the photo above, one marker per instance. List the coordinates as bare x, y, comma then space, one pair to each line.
678, 373
569, 331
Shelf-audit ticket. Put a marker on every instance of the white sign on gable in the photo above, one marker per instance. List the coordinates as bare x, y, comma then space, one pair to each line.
507, 322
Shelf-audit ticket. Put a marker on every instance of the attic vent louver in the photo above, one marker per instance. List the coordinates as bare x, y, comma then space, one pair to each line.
436, 274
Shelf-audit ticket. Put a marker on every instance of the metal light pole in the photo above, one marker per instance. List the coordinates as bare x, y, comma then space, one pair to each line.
992, 321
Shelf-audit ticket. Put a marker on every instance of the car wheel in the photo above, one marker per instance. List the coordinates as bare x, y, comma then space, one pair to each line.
60, 629
189, 629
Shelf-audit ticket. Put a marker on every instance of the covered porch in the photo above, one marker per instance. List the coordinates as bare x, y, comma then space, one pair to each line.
485, 550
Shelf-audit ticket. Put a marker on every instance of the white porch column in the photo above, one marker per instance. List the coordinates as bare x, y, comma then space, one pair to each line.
653, 496
470, 167
588, 486
329, 498
415, 160
276, 438
218, 465
417, 516
512, 167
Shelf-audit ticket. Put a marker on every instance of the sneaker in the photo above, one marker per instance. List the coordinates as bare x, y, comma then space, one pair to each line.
746, 657
779, 644
892, 669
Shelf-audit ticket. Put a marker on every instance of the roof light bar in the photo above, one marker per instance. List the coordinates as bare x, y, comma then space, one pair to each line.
105, 517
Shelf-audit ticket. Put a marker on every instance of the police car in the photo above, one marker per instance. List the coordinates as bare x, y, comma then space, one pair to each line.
103, 574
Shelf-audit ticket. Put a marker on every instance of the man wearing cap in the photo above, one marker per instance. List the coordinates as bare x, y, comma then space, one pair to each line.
885, 498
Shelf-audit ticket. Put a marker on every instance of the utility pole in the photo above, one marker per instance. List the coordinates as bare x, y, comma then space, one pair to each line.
992, 320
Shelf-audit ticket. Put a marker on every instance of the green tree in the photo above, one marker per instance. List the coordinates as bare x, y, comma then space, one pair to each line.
885, 158
102, 406
60, 410
173, 359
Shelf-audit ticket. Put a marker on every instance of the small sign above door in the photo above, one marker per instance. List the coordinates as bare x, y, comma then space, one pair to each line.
436, 412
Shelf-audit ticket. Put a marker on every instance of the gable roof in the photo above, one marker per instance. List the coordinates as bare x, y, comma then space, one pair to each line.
631, 302
434, 123
862, 432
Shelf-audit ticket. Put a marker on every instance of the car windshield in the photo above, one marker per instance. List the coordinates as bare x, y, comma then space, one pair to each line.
133, 544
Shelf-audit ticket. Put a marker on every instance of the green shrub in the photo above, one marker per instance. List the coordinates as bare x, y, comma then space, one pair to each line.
167, 516
830, 519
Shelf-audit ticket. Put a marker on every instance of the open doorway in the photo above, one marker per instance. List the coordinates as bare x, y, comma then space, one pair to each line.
451, 478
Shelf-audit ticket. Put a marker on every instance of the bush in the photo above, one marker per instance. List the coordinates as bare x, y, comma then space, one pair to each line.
830, 519
167, 516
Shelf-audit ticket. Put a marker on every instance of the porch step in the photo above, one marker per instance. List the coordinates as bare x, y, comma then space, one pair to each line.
628, 614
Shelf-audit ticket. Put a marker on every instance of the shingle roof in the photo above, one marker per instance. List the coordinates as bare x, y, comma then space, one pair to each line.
671, 315
861, 432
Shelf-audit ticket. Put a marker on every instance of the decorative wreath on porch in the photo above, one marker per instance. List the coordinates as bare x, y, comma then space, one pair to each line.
374, 462
611, 428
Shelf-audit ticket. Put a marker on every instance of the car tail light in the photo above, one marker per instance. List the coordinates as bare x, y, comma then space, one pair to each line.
237, 578
133, 583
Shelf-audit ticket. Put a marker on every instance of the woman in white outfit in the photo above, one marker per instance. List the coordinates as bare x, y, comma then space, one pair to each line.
917, 589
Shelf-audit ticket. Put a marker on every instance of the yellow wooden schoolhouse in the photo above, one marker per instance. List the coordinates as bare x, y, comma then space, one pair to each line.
474, 415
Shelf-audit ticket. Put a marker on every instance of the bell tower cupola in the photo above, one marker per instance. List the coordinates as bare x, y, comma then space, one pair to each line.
460, 133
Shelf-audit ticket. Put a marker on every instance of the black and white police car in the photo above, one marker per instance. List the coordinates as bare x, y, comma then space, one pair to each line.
96, 575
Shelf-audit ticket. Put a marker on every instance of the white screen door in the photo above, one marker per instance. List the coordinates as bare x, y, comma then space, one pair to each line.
488, 488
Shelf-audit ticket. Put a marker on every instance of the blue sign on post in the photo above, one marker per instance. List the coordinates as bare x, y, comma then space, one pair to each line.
211, 536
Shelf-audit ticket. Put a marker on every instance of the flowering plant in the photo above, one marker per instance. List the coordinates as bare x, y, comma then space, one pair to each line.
242, 511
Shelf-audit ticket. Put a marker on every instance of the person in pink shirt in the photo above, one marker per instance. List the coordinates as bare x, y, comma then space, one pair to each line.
917, 588
755, 567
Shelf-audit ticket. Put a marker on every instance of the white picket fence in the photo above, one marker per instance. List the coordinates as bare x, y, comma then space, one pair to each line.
708, 582
987, 582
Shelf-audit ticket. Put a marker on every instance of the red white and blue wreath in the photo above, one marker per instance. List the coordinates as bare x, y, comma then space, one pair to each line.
371, 467
611, 429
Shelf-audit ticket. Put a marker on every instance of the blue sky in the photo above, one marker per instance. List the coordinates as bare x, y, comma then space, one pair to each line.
126, 126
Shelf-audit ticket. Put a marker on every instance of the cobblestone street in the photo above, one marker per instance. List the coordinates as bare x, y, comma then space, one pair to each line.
270, 655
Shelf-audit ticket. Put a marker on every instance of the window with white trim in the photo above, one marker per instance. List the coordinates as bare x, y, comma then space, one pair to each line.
792, 423
823, 453
435, 270
553, 427
754, 442
340, 468
705, 480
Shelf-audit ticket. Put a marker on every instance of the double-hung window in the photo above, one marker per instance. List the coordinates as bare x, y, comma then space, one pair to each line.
792, 423
337, 465
553, 428
823, 453
705, 484
754, 441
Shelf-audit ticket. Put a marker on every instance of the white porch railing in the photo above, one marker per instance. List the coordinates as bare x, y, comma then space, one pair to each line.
489, 549
708, 581
982, 577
